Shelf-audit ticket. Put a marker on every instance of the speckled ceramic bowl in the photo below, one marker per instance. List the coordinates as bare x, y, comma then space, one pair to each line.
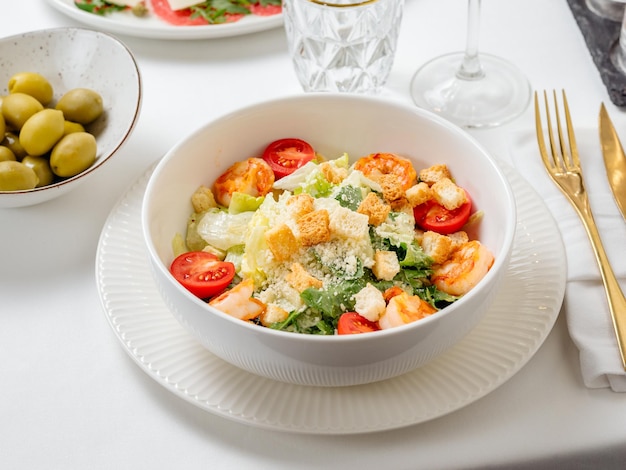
332, 124
71, 58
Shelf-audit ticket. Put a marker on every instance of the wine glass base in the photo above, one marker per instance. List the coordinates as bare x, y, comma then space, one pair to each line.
501, 94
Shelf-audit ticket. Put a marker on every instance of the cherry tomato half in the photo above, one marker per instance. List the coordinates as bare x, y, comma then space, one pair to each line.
201, 273
351, 323
285, 156
433, 216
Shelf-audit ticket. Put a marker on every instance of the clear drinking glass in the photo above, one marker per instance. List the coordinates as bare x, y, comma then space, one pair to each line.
342, 45
470, 89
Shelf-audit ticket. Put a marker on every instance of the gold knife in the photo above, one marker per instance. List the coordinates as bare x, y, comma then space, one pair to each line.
614, 159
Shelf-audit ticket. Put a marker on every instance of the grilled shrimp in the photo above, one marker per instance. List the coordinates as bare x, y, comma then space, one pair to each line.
252, 176
464, 269
404, 308
238, 301
377, 164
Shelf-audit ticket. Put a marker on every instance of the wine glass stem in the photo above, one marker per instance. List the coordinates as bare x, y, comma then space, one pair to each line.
471, 69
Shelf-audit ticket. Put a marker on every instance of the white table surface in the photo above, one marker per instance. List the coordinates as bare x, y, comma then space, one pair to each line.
70, 396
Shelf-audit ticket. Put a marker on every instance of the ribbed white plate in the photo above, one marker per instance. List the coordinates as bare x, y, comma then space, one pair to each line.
519, 321
155, 28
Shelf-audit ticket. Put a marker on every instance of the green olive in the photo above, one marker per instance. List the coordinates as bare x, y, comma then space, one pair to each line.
32, 84
42, 131
18, 107
3, 126
15, 176
41, 165
81, 105
6, 154
74, 153
69, 127
12, 141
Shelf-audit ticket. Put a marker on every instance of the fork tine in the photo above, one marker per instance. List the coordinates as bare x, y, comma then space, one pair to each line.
539, 131
564, 153
556, 162
560, 154
570, 134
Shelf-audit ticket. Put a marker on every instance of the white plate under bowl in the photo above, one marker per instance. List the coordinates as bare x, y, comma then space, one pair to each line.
519, 321
155, 28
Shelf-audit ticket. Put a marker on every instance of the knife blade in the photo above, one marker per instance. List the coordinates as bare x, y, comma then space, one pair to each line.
614, 159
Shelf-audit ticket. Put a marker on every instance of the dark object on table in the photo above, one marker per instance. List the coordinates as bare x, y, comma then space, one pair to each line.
601, 36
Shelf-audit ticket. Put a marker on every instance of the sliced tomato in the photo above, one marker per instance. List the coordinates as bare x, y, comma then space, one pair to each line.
351, 323
433, 216
202, 274
285, 156
176, 17
267, 10
183, 17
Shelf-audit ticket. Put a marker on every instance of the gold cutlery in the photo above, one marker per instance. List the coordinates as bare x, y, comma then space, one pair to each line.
563, 166
614, 159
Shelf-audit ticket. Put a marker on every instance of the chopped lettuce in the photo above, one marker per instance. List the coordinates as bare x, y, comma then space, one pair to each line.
399, 228
324, 307
222, 229
235, 255
242, 202
193, 240
310, 179
349, 197
356, 178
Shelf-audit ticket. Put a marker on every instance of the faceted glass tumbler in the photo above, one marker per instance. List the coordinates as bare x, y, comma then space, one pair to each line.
342, 46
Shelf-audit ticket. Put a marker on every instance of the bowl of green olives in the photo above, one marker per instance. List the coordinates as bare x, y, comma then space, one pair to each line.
69, 100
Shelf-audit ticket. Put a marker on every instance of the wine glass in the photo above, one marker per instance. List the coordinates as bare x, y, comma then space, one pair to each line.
470, 89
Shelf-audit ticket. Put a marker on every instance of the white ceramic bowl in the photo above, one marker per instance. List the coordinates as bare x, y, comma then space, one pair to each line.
71, 58
332, 123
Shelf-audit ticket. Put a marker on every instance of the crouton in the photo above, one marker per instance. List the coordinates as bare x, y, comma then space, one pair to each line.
333, 174
419, 194
375, 209
282, 242
391, 186
386, 265
369, 303
300, 204
300, 279
273, 314
434, 173
202, 199
437, 246
458, 239
345, 223
314, 227
448, 194
401, 205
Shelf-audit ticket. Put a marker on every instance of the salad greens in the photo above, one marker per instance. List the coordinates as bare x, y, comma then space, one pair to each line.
99, 7
345, 264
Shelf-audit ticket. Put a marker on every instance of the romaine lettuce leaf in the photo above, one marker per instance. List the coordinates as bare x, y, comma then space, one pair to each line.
242, 202
223, 230
309, 179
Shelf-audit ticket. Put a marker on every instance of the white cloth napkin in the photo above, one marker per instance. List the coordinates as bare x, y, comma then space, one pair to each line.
586, 307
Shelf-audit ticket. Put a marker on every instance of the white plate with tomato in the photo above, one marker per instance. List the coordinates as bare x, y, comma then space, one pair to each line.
161, 22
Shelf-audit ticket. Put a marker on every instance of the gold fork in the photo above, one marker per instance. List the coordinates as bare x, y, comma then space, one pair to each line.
563, 166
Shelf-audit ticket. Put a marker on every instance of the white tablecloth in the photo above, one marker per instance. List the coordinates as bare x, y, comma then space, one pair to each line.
71, 398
